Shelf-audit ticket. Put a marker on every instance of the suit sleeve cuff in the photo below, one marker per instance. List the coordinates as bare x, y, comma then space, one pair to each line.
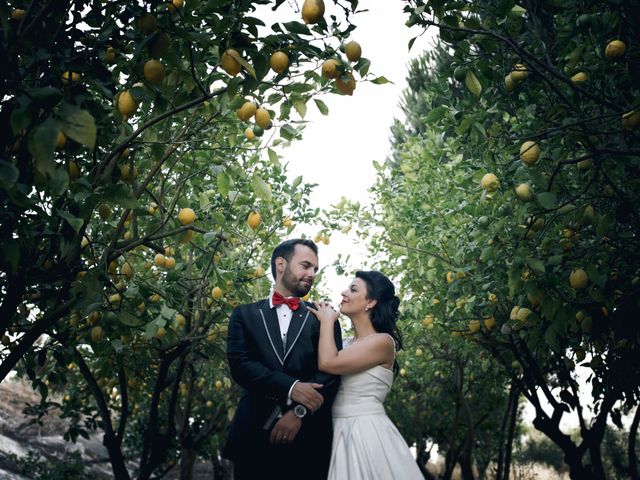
289, 401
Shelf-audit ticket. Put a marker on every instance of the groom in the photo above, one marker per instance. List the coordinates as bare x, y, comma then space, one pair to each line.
282, 427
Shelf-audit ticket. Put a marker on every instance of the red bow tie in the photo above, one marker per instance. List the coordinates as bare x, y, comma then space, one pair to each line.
292, 302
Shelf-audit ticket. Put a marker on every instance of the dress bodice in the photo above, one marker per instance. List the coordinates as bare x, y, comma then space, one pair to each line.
363, 393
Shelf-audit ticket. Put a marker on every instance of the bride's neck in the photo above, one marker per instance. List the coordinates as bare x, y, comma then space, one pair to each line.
362, 326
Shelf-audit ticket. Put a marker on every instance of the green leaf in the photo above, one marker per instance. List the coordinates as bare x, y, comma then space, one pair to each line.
261, 188
604, 223
436, 114
41, 144
535, 264
120, 194
381, 80
223, 181
324, 110
288, 132
301, 107
547, 200
76, 223
296, 182
59, 182
472, 83
273, 156
20, 118
8, 175
204, 200
297, 27
78, 125
167, 313
11, 253
129, 319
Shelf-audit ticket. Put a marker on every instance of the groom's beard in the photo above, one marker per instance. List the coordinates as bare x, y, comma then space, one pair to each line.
296, 286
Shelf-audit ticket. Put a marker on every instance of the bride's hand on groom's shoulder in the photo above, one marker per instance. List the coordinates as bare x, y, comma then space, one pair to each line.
324, 312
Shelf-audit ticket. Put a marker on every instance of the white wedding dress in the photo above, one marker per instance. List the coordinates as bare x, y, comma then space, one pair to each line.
366, 444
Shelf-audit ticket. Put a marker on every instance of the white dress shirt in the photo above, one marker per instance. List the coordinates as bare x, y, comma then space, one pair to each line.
284, 320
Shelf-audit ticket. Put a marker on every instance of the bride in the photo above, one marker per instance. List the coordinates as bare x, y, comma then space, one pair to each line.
366, 444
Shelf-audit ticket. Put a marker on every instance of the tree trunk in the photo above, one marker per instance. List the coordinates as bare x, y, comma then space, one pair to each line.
465, 465
514, 396
631, 451
422, 458
187, 459
449, 465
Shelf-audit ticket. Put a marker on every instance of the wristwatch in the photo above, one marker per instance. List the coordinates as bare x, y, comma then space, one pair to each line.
300, 411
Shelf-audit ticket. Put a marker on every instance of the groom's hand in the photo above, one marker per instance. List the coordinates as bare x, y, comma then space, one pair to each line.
307, 395
285, 429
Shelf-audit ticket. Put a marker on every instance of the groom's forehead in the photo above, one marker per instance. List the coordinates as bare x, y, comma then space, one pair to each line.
302, 253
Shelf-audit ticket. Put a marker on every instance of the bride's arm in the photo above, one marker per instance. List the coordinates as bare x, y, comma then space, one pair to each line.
375, 350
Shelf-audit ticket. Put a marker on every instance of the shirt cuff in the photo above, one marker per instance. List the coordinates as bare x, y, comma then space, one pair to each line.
289, 401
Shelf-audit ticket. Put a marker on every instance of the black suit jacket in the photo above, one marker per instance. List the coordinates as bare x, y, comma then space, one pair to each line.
266, 369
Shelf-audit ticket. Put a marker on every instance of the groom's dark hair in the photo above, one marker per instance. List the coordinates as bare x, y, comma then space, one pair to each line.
286, 249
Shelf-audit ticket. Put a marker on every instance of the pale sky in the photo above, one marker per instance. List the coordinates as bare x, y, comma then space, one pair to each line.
337, 150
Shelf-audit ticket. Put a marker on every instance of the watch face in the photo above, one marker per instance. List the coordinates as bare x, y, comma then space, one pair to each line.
300, 411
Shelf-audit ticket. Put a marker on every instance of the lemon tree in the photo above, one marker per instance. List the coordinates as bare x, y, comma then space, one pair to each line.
511, 196
127, 180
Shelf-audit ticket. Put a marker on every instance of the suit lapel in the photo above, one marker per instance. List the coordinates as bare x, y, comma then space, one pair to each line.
298, 321
272, 327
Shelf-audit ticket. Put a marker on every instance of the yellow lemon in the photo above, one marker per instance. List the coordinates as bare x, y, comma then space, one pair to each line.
127, 270
615, 49
161, 332
489, 322
186, 216
229, 63
61, 140
474, 326
523, 314
580, 78
346, 84
524, 192
312, 11
73, 169
110, 55
96, 334
253, 220
353, 51
216, 293
519, 72
578, 279
175, 5
18, 14
490, 182
329, 68
154, 71
287, 222
279, 62
127, 172
127, 105
248, 134
159, 260
246, 111
631, 119
529, 152
69, 78
263, 119
509, 83
169, 262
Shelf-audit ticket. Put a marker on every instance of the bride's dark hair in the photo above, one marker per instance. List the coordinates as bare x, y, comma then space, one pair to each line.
384, 315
